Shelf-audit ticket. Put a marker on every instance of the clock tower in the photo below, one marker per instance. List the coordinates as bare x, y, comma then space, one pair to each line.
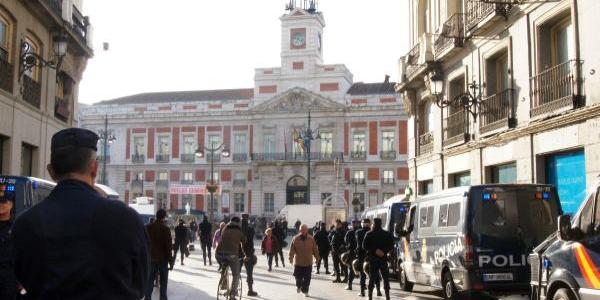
302, 37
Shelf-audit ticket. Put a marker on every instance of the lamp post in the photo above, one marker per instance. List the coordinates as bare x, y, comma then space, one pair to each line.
306, 136
29, 59
470, 102
107, 137
212, 188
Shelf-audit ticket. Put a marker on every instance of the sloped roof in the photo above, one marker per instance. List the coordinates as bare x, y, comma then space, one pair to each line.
183, 96
361, 88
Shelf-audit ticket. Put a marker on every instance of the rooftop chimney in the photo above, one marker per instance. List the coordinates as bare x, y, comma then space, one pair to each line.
387, 79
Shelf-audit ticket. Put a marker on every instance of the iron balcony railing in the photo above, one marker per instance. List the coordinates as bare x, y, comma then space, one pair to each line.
388, 181
138, 158
137, 183
412, 60
239, 182
452, 35
426, 143
455, 127
162, 183
388, 155
358, 155
102, 158
289, 156
61, 109
240, 157
80, 25
6, 72
213, 157
188, 157
478, 11
187, 181
162, 158
32, 91
556, 87
357, 181
497, 111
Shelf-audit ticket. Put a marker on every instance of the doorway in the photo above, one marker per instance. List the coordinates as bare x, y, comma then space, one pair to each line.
296, 191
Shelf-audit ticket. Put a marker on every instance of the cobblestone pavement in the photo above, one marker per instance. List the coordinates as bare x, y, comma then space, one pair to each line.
194, 281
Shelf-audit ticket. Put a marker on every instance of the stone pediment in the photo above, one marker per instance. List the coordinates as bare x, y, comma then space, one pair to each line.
298, 100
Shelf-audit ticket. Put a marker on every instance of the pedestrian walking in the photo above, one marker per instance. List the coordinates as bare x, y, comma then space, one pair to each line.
270, 247
278, 233
361, 255
337, 248
205, 240
297, 225
181, 241
77, 244
351, 247
194, 229
321, 238
160, 254
378, 243
302, 251
284, 227
251, 259
8, 280
228, 251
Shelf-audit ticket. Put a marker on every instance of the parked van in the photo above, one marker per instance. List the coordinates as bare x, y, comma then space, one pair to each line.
475, 240
566, 265
25, 192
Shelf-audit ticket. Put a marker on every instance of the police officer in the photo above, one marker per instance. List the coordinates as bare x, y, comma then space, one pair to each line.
250, 260
351, 246
206, 240
361, 254
378, 243
194, 230
337, 248
8, 281
324, 248
77, 244
181, 240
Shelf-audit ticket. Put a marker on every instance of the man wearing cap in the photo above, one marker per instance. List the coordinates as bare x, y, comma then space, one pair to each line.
8, 281
377, 244
77, 244
160, 251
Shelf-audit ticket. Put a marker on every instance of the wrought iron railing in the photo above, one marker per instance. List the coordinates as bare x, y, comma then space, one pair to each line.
289, 156
32, 91
555, 87
163, 158
213, 157
187, 181
138, 158
162, 183
412, 60
358, 155
388, 155
357, 181
6, 72
388, 181
188, 157
452, 35
478, 10
80, 24
61, 109
239, 182
455, 127
426, 143
240, 157
496, 111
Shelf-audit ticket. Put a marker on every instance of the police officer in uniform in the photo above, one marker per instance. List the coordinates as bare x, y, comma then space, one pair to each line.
8, 281
206, 239
337, 248
77, 244
250, 260
351, 246
378, 243
181, 241
361, 255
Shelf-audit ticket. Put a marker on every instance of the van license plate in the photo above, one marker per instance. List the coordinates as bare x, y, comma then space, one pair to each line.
498, 277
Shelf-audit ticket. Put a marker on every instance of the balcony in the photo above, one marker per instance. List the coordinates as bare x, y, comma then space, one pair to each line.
61, 109
215, 157
137, 184
102, 159
452, 36
240, 157
80, 25
455, 128
239, 182
32, 91
162, 183
187, 181
426, 143
497, 111
138, 158
556, 88
357, 181
388, 181
480, 15
358, 155
314, 156
388, 155
188, 158
6, 73
163, 158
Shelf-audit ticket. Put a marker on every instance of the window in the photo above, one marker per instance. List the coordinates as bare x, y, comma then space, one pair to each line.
358, 201
31, 48
326, 143
139, 145
358, 139
189, 144
387, 196
359, 177
426, 216
161, 200
139, 176
239, 144
388, 176
214, 141
562, 42
449, 215
426, 118
269, 202
215, 176
4, 39
238, 202
497, 73
27, 152
163, 145
506, 173
325, 196
163, 176
388, 141
269, 140
425, 187
460, 179
188, 177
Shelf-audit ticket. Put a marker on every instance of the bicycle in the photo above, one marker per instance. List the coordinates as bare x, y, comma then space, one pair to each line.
224, 287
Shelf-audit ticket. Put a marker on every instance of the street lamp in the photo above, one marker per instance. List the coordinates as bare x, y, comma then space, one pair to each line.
306, 136
212, 187
107, 137
30, 59
470, 102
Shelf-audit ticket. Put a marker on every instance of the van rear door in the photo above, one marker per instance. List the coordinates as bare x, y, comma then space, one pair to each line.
507, 222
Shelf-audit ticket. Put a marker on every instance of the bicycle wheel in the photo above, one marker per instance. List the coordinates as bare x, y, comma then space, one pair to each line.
223, 289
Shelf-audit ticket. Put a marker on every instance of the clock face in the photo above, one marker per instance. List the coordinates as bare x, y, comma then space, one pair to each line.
298, 39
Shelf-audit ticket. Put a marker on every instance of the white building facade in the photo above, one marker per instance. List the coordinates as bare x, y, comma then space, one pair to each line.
527, 74
358, 158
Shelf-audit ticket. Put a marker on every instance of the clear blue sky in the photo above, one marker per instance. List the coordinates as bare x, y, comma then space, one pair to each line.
201, 44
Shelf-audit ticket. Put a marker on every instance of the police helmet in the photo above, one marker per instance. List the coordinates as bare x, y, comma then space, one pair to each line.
357, 266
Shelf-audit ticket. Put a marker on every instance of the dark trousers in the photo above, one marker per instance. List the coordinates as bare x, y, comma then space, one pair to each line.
303, 276
8, 285
277, 255
206, 248
180, 246
379, 267
270, 260
249, 271
324, 257
162, 269
338, 267
350, 271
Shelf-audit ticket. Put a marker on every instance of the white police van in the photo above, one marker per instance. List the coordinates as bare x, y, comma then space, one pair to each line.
474, 240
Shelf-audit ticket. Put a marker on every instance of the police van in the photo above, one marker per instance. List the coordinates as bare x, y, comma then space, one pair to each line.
566, 265
474, 240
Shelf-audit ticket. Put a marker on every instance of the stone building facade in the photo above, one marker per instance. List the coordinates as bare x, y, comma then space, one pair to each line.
360, 152
528, 74
36, 103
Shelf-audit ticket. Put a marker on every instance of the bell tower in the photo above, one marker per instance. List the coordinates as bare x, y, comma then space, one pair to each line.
301, 37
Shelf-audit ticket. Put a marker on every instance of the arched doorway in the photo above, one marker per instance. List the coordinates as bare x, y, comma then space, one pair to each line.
296, 191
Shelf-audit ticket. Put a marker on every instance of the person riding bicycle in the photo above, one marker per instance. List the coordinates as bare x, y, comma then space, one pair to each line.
228, 251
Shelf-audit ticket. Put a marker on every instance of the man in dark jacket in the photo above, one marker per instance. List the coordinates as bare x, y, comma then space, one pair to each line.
194, 230
321, 238
337, 248
181, 240
160, 252
248, 246
278, 232
206, 240
351, 246
361, 254
77, 244
378, 243
8, 281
